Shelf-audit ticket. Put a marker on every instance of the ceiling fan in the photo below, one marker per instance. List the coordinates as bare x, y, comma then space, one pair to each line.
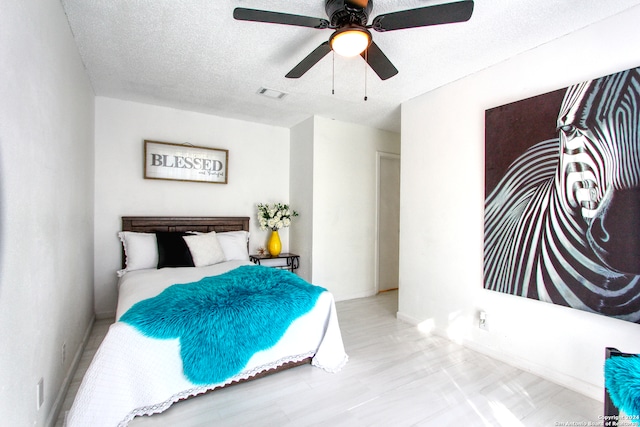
352, 36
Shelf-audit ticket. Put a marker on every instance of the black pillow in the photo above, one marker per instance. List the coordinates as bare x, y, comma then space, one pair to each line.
173, 250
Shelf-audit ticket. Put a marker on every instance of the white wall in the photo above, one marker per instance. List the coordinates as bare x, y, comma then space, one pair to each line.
258, 172
344, 205
442, 201
301, 195
46, 207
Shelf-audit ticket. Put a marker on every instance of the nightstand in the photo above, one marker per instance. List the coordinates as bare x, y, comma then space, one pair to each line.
292, 260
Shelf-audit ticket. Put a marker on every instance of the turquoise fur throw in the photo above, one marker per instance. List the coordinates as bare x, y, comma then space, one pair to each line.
622, 379
222, 321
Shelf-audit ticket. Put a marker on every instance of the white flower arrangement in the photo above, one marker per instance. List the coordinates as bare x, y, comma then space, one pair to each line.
274, 217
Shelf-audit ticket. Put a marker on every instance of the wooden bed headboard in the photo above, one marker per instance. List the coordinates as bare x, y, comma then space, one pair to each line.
204, 224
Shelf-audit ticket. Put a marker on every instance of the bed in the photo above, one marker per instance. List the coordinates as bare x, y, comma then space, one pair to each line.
182, 330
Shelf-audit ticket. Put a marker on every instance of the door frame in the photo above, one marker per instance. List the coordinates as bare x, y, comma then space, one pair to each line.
379, 156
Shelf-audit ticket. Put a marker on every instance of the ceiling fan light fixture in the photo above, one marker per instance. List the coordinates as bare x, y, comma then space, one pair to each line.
350, 41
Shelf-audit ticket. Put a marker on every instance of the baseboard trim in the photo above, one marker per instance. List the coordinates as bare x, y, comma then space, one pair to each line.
105, 315
364, 294
64, 387
563, 380
407, 318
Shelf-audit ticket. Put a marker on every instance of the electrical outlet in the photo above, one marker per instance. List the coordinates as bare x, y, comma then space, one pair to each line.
40, 393
64, 352
482, 322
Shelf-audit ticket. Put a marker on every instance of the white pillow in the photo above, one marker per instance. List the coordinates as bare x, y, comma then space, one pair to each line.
234, 245
140, 249
205, 249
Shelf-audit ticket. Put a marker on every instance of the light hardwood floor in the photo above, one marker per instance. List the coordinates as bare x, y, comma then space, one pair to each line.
396, 376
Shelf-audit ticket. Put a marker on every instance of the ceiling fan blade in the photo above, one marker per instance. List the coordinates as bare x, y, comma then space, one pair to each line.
379, 62
255, 15
308, 62
424, 16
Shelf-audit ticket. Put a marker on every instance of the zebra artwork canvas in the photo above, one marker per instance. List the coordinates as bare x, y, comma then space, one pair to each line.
562, 224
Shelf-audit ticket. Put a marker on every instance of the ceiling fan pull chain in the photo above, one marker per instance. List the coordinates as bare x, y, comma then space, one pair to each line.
366, 64
333, 73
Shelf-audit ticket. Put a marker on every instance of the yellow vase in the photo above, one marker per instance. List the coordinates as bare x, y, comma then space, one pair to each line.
275, 246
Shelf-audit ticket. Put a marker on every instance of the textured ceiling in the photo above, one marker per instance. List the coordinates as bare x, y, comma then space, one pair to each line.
192, 54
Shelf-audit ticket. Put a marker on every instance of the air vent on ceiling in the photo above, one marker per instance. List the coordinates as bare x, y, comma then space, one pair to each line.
271, 93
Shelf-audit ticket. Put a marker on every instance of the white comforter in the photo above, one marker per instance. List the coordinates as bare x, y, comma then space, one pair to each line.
134, 375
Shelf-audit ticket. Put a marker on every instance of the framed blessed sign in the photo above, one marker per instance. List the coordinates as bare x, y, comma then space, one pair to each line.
185, 162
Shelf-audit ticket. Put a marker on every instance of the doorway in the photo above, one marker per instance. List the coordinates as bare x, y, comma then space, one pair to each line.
388, 213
